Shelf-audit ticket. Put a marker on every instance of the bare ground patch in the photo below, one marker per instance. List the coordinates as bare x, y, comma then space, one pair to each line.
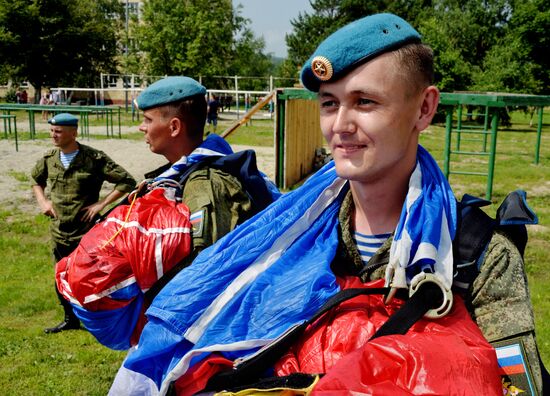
134, 156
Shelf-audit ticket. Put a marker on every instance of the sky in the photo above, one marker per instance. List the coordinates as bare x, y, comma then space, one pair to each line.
271, 19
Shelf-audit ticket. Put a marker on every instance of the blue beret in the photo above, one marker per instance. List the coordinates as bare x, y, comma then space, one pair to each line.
64, 119
168, 90
355, 44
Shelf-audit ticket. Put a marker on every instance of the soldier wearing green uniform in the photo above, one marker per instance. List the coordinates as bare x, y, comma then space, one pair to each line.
74, 173
174, 115
356, 95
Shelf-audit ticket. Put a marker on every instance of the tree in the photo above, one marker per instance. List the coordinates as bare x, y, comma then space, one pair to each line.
250, 60
461, 33
200, 38
527, 36
191, 37
58, 42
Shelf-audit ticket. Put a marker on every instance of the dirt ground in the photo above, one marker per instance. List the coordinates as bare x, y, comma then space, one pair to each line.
134, 156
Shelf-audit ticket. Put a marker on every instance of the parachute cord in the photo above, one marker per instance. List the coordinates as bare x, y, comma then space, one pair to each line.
134, 196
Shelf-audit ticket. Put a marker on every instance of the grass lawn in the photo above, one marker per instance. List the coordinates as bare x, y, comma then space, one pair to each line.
73, 363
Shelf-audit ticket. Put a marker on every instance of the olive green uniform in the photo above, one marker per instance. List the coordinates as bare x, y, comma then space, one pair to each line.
76, 187
219, 199
498, 299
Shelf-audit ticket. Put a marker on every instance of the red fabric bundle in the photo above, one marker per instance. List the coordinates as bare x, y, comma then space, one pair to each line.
155, 236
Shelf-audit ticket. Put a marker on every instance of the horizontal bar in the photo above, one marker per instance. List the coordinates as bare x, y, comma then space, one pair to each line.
468, 173
470, 152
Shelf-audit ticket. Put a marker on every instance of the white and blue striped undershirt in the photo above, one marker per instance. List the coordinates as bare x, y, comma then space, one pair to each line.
66, 159
367, 245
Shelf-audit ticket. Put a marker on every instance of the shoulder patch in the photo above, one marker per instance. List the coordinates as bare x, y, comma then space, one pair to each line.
197, 221
514, 369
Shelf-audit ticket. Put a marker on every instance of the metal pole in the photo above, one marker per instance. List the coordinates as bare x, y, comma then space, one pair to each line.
492, 154
126, 60
271, 90
448, 128
102, 93
485, 126
458, 125
237, 95
15, 131
539, 135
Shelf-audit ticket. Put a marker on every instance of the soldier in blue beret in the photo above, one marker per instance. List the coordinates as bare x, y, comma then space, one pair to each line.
174, 117
75, 174
374, 81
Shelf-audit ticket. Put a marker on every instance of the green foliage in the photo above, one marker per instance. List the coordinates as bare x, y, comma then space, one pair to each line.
451, 70
11, 95
198, 38
494, 45
58, 42
508, 68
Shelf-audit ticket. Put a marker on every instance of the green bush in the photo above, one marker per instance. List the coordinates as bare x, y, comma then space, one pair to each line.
11, 95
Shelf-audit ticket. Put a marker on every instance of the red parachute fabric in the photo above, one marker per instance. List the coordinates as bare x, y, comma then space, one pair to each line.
446, 356
155, 236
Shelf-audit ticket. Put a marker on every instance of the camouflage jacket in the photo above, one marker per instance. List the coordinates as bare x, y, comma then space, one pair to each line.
498, 299
217, 203
76, 187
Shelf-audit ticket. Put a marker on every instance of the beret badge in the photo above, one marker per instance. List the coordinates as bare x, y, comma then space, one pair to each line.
321, 68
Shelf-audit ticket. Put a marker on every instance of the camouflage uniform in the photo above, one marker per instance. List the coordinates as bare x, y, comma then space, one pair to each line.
220, 201
498, 300
76, 187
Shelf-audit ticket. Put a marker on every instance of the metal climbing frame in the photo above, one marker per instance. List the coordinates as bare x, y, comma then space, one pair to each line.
492, 103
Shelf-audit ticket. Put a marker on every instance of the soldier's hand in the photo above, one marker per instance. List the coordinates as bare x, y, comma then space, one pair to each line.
91, 211
48, 210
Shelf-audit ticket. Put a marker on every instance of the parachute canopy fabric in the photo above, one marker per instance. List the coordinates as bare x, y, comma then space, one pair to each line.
271, 273
448, 356
121, 258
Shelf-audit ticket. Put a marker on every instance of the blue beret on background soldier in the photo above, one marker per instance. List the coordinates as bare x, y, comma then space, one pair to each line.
174, 116
74, 174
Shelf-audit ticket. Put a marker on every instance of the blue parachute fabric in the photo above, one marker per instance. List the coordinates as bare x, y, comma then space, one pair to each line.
235, 309
112, 328
273, 272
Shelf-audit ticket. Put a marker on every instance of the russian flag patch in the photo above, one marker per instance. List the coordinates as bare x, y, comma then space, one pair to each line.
197, 221
514, 370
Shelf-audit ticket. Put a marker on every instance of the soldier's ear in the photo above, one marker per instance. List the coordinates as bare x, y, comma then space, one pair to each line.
428, 107
175, 126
